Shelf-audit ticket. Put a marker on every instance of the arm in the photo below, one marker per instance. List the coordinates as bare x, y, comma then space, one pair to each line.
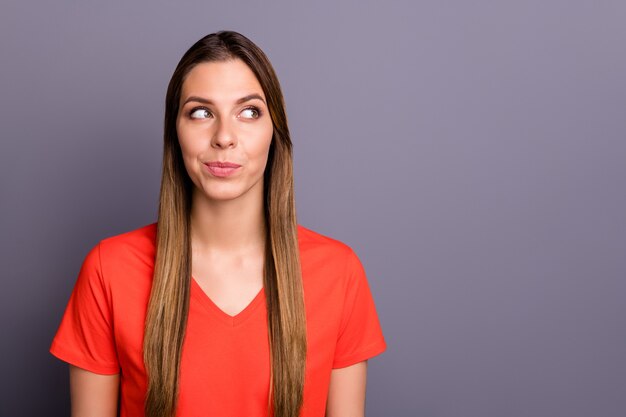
93, 395
346, 393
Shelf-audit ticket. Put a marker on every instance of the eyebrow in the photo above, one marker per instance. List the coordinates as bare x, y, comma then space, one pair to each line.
239, 101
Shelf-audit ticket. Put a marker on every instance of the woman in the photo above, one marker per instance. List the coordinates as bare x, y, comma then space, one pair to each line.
225, 306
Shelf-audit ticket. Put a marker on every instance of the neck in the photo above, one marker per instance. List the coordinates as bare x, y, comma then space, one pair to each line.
232, 226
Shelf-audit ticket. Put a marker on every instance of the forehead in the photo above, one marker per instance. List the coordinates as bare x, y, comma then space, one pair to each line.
221, 81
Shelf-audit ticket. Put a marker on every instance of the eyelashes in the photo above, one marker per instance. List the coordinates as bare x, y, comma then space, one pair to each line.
253, 109
199, 113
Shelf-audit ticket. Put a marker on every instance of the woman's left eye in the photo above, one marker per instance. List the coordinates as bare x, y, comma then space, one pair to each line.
251, 113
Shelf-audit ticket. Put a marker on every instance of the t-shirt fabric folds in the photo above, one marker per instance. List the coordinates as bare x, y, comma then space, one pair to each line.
225, 363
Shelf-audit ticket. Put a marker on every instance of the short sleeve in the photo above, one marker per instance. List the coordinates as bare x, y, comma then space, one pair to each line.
85, 336
360, 334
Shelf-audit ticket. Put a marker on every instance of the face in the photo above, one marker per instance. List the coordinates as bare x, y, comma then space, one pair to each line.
223, 118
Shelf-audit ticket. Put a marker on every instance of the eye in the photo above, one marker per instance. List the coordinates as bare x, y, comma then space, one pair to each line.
199, 113
251, 113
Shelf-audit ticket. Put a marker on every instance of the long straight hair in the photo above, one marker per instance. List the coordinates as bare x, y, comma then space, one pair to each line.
168, 307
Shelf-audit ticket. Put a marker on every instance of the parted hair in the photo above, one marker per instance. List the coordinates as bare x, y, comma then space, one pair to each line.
168, 307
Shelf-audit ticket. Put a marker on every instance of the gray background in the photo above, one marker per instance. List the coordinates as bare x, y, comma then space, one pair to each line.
472, 153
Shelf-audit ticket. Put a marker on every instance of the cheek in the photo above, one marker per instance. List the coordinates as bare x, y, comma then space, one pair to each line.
189, 153
187, 140
263, 142
184, 150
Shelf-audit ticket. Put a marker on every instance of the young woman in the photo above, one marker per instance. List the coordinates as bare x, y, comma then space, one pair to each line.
226, 306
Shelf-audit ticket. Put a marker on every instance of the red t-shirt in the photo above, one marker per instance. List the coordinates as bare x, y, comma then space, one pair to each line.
225, 365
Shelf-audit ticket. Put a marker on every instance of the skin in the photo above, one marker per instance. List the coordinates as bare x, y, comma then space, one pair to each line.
346, 393
227, 223
93, 395
227, 218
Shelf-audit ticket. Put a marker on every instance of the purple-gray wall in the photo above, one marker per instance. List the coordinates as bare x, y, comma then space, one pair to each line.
472, 153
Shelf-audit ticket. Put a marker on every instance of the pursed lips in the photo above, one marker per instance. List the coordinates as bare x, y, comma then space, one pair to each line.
218, 164
222, 169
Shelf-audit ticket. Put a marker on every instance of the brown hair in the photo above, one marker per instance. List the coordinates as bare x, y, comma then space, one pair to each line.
169, 299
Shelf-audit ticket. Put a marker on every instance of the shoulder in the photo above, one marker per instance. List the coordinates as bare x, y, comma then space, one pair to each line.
129, 249
321, 254
320, 244
114, 260
140, 239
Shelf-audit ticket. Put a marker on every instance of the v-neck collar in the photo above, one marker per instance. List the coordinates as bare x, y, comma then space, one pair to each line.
198, 293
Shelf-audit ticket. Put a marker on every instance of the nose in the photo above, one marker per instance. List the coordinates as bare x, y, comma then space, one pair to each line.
224, 135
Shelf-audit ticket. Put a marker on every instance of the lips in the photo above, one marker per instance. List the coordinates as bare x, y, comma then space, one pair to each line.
225, 164
221, 169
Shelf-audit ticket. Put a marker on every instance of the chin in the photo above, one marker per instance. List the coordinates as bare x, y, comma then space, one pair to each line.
225, 196
222, 195
225, 191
